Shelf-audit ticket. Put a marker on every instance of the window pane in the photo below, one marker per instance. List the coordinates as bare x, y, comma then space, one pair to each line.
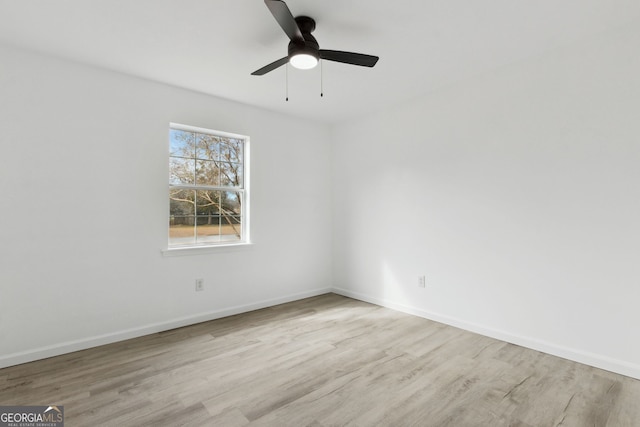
231, 202
231, 150
208, 230
181, 171
231, 228
208, 202
207, 173
181, 143
181, 217
208, 219
231, 222
231, 174
181, 230
207, 147
182, 202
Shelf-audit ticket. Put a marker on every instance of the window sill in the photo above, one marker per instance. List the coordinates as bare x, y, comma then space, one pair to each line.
202, 250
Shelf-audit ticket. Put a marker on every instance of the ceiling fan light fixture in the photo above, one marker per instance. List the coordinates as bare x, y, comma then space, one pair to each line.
304, 51
303, 61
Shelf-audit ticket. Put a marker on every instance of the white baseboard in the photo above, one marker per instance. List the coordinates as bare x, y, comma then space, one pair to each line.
596, 360
95, 341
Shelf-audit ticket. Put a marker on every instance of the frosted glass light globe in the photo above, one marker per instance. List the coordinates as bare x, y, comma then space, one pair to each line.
303, 61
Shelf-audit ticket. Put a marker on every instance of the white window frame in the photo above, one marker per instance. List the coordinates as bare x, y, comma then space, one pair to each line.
244, 189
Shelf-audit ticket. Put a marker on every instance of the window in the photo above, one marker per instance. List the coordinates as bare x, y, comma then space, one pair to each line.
208, 195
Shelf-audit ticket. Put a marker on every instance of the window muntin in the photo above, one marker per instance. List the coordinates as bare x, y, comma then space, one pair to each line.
207, 187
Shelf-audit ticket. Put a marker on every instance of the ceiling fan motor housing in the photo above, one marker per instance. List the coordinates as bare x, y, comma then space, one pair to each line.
310, 45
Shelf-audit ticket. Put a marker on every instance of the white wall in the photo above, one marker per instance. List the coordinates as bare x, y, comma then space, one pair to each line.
517, 194
83, 205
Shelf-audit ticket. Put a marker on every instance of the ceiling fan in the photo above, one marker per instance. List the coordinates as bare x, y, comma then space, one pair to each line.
304, 51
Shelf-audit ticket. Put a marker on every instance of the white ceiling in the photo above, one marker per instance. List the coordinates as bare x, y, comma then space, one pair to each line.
212, 46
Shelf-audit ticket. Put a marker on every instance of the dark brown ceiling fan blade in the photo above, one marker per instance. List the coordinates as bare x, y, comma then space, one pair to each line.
349, 57
281, 12
264, 70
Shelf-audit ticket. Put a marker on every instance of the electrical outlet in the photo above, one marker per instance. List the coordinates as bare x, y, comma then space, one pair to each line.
199, 285
422, 281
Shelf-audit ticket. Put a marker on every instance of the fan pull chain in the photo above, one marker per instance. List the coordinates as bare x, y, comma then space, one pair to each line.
321, 80
287, 81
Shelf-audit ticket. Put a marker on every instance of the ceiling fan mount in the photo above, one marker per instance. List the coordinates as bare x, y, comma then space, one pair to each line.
304, 51
305, 24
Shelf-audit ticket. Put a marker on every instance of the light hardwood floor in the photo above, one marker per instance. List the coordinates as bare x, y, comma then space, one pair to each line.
323, 361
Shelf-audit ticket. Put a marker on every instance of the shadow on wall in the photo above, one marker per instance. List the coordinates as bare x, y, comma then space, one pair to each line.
392, 287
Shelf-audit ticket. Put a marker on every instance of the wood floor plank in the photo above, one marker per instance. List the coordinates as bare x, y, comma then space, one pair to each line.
321, 362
